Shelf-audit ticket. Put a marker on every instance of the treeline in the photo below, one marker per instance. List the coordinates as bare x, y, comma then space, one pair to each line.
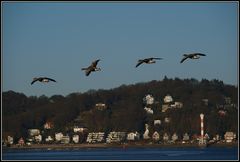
125, 108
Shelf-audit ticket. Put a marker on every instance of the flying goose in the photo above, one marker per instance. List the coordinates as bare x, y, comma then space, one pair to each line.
92, 68
192, 56
148, 61
42, 79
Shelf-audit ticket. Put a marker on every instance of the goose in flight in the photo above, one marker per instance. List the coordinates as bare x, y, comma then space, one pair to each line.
192, 56
150, 60
92, 68
42, 79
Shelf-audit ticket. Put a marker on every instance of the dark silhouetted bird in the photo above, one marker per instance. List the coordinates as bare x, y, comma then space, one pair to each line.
150, 60
92, 68
192, 56
42, 79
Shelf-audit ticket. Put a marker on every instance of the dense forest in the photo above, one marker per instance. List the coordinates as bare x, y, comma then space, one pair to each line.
125, 108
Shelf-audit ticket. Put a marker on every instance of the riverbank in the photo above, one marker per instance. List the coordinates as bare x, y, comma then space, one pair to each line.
124, 146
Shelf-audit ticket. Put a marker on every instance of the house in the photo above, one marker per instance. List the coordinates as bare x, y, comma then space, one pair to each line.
205, 101
156, 136
21, 141
79, 129
38, 138
216, 137
165, 137
58, 136
9, 140
168, 99
65, 139
195, 137
206, 137
229, 136
48, 125
94, 137
186, 137
148, 110
133, 136
167, 120
227, 100
29, 140
100, 106
177, 105
157, 122
49, 139
33, 132
165, 107
75, 138
100, 136
148, 99
116, 137
174, 137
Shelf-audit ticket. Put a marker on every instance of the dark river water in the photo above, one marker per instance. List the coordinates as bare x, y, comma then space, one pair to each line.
209, 153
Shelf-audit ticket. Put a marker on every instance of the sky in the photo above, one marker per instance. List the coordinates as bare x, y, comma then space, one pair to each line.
57, 39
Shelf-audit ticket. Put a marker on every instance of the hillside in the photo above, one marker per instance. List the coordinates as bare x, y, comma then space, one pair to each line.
125, 108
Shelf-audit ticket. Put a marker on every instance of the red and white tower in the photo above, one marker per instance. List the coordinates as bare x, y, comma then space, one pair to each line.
202, 141
202, 128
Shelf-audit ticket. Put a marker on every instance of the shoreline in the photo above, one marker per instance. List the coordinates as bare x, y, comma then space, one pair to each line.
114, 145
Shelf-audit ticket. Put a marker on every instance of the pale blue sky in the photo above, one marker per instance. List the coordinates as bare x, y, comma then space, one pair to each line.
57, 39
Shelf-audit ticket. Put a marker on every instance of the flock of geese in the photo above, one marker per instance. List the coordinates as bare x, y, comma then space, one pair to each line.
93, 67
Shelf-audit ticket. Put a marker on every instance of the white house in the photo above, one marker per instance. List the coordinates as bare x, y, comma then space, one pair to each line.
49, 139
206, 136
33, 132
186, 137
174, 137
100, 106
229, 136
94, 137
100, 137
38, 138
148, 99
79, 129
65, 139
216, 137
168, 99
9, 140
157, 122
116, 137
167, 119
58, 136
133, 136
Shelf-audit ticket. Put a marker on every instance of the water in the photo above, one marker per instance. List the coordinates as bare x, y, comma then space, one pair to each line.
210, 153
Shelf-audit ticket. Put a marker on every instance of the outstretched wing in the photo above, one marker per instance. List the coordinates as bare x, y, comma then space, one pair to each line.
34, 80
94, 63
139, 63
87, 72
200, 54
50, 79
156, 58
183, 59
